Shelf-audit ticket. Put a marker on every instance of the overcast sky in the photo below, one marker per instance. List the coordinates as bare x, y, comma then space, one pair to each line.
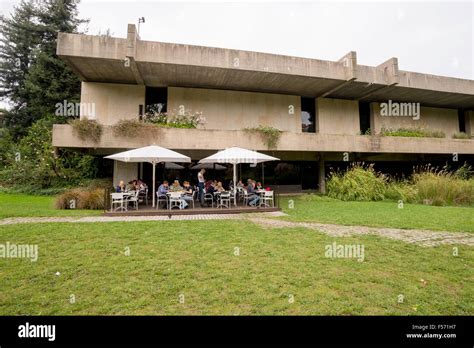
429, 37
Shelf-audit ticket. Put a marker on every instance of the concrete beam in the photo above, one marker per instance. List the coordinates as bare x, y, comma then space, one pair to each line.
132, 38
349, 61
390, 68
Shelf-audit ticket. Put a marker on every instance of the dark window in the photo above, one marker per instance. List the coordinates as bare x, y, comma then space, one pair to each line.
364, 117
462, 121
156, 99
308, 110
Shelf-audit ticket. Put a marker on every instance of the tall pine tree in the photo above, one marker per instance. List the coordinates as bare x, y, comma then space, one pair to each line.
33, 78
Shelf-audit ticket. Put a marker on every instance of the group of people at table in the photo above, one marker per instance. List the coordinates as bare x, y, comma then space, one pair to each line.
203, 187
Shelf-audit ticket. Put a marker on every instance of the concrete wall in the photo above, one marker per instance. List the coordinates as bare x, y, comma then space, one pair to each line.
113, 102
193, 139
234, 110
435, 119
124, 171
337, 116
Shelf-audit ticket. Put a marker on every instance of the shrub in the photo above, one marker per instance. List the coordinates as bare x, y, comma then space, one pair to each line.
358, 183
270, 135
81, 198
86, 129
31, 165
412, 132
442, 187
63, 200
461, 135
184, 119
133, 128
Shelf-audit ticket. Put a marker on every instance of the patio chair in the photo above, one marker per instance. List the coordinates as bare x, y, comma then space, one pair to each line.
208, 197
161, 199
266, 198
117, 200
245, 197
143, 196
134, 199
224, 200
175, 200
232, 197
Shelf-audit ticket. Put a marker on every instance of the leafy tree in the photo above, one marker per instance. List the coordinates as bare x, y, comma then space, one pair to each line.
34, 164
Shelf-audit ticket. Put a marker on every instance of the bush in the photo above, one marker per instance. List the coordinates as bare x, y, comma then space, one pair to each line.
412, 132
80, 198
461, 135
86, 129
184, 119
31, 165
358, 183
427, 185
442, 187
133, 128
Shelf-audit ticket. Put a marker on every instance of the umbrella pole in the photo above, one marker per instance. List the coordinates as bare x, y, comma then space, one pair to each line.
235, 184
154, 167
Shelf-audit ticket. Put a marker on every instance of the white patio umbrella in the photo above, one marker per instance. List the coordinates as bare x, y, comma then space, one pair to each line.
237, 155
171, 165
152, 154
209, 166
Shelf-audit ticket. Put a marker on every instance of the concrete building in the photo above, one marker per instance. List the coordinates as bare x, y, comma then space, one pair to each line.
323, 108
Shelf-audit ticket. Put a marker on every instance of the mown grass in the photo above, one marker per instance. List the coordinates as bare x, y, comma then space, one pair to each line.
23, 205
196, 259
379, 214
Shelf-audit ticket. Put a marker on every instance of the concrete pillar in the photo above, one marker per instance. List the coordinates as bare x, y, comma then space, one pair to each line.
322, 175
469, 122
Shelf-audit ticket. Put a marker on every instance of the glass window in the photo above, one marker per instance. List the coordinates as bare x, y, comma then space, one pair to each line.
307, 115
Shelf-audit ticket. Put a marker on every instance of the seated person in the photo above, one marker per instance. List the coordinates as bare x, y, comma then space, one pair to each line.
176, 186
219, 187
254, 198
188, 191
131, 185
240, 184
120, 187
163, 189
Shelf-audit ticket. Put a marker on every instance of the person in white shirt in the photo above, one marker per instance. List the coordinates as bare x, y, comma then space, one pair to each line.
201, 182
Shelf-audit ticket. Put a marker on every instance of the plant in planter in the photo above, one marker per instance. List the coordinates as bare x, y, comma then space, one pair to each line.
86, 129
185, 119
269, 135
133, 128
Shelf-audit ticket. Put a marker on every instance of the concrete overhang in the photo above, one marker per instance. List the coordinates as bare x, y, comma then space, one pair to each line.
155, 64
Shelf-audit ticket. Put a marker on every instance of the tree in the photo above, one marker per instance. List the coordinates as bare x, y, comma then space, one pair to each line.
33, 78
19, 38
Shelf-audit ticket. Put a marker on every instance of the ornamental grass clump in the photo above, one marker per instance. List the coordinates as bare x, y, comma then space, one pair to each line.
358, 183
81, 198
442, 187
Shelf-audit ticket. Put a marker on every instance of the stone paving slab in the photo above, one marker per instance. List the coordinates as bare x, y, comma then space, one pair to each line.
420, 237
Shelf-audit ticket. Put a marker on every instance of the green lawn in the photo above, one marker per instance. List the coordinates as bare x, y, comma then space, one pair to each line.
16, 205
196, 259
379, 214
